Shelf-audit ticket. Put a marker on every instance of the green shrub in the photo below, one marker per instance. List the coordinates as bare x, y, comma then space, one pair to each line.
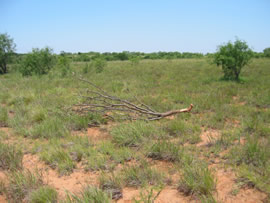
63, 64
99, 64
233, 57
43, 194
10, 157
38, 62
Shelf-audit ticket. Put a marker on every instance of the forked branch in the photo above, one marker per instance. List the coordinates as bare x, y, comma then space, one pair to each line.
98, 100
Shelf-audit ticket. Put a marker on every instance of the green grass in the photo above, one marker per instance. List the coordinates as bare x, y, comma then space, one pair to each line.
164, 150
21, 185
236, 110
10, 157
3, 117
134, 134
43, 194
89, 194
197, 179
142, 175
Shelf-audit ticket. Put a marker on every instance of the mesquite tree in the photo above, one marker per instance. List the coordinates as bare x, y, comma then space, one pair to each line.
232, 57
7, 48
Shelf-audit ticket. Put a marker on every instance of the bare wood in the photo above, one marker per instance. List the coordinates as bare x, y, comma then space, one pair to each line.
100, 101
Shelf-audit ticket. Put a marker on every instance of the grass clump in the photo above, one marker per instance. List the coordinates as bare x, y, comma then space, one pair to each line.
43, 194
142, 175
197, 179
58, 158
89, 194
185, 131
21, 184
111, 184
10, 157
3, 117
133, 134
164, 150
49, 128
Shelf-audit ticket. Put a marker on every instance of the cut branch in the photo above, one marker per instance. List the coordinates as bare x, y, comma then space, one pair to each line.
98, 100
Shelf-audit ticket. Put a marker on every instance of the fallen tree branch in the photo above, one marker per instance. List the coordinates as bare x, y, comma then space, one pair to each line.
100, 101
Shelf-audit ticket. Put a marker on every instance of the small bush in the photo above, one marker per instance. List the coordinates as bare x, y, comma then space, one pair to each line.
10, 157
38, 62
63, 64
233, 57
89, 194
43, 194
100, 64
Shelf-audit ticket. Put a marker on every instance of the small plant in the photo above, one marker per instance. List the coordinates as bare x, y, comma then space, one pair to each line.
142, 175
232, 57
99, 64
89, 194
111, 184
164, 150
38, 62
3, 117
63, 64
58, 158
149, 195
21, 184
43, 194
133, 134
10, 157
197, 179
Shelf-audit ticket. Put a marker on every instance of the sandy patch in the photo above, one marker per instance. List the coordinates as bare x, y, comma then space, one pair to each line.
208, 136
73, 183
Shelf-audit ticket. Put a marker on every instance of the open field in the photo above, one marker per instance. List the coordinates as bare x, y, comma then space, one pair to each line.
219, 152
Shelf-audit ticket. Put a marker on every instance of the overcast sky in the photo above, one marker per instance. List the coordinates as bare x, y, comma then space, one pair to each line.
135, 25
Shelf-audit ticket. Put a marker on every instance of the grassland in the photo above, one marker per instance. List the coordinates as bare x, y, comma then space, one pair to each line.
217, 153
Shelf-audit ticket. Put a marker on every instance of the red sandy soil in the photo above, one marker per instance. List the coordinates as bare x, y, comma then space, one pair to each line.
225, 179
72, 183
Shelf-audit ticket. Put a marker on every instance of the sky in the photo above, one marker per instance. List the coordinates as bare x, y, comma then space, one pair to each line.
135, 25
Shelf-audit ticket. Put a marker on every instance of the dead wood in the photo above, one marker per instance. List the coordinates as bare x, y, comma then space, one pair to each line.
97, 100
